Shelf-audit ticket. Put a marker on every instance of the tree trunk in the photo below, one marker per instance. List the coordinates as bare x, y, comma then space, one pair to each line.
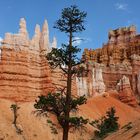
65, 132
68, 95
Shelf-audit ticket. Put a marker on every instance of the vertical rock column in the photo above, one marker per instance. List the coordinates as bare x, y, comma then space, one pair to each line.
125, 92
14, 72
46, 81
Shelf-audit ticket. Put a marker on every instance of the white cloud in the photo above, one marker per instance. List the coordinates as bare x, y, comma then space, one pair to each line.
78, 41
87, 40
121, 6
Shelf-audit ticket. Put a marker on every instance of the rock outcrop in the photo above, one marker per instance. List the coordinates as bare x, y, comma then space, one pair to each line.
24, 71
119, 56
99, 83
91, 83
126, 94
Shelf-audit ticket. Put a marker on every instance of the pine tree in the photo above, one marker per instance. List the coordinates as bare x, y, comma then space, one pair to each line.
62, 103
111, 121
106, 124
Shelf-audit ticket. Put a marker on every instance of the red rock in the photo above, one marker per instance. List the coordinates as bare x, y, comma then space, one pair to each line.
119, 56
24, 70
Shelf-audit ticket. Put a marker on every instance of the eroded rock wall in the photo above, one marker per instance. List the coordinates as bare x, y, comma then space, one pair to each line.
91, 83
126, 94
24, 71
119, 56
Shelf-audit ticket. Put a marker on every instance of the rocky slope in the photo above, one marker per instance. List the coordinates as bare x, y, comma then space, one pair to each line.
36, 128
130, 131
25, 74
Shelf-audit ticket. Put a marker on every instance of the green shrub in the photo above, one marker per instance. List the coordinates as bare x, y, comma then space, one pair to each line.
106, 124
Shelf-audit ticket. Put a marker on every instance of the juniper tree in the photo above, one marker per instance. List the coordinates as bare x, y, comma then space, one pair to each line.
62, 103
106, 124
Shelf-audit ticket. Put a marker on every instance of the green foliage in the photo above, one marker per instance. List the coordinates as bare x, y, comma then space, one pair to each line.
106, 124
71, 20
61, 104
59, 57
15, 108
55, 103
77, 122
52, 126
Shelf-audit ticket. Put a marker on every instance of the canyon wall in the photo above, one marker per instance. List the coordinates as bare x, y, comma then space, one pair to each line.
91, 83
119, 56
24, 71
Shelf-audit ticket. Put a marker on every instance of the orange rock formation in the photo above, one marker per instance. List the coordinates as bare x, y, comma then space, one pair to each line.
119, 56
24, 71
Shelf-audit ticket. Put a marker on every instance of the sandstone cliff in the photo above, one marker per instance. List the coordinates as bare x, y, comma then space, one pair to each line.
24, 71
118, 57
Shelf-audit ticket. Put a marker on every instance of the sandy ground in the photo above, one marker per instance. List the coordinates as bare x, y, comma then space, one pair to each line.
131, 131
36, 128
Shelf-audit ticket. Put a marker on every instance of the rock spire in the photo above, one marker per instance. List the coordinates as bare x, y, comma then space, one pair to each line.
22, 30
44, 40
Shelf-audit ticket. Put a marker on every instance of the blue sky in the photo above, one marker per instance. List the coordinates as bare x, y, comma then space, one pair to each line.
103, 15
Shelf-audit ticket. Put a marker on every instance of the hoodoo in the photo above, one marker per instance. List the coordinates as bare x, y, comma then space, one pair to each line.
25, 73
